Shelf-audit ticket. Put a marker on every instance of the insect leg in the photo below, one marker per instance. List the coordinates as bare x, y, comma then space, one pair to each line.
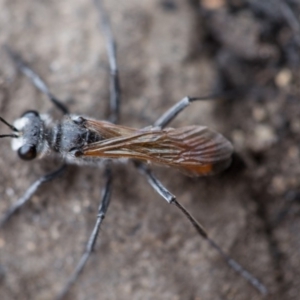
114, 115
102, 209
171, 113
170, 198
29, 193
35, 79
115, 91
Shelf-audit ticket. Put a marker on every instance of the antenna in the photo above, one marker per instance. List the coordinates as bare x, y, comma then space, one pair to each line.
9, 125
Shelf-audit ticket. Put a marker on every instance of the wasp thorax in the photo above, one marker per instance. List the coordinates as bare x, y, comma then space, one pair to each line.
79, 120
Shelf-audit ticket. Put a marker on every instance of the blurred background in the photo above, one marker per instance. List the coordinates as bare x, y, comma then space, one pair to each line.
167, 49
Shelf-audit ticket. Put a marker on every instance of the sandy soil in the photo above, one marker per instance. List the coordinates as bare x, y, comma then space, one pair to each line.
166, 50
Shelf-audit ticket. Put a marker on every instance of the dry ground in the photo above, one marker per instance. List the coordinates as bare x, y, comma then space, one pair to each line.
147, 250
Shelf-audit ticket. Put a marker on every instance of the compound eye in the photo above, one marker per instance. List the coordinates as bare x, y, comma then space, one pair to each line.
27, 152
30, 112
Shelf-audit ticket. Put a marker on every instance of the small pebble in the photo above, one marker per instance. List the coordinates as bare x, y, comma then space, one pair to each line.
283, 78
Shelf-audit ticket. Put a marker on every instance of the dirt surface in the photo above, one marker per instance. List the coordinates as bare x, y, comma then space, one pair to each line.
166, 50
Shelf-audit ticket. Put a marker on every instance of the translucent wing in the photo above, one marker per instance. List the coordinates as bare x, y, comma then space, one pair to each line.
194, 150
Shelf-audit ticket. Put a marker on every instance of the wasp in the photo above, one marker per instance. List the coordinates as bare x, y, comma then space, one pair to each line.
193, 150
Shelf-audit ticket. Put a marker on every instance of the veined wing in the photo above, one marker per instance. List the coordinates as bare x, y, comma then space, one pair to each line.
108, 130
194, 150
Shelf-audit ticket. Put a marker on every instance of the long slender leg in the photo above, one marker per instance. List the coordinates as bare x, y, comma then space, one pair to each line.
161, 190
29, 193
114, 116
35, 79
171, 113
106, 193
115, 91
292, 197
